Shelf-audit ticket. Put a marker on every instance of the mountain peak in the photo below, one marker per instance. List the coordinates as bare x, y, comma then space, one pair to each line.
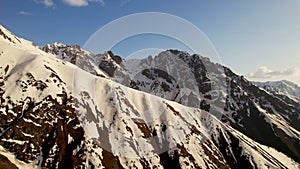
11, 38
114, 57
7, 35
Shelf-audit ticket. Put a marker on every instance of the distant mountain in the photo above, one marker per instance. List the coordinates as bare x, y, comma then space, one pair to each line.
284, 89
63, 107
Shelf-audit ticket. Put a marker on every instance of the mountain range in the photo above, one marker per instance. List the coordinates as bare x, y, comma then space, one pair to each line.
284, 89
64, 107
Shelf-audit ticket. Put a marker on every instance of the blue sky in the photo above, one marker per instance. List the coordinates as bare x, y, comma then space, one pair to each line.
259, 39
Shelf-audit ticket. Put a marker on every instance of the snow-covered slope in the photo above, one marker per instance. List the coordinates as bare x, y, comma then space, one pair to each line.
56, 115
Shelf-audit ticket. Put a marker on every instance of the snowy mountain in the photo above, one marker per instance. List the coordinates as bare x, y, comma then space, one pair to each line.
66, 108
284, 89
194, 81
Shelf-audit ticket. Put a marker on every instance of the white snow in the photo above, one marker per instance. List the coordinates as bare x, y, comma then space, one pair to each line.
70, 139
28, 135
14, 141
30, 121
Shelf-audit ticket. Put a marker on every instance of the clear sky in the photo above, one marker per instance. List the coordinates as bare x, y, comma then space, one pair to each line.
259, 38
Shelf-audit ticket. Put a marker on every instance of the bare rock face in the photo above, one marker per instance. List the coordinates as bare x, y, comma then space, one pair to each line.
156, 82
108, 65
116, 58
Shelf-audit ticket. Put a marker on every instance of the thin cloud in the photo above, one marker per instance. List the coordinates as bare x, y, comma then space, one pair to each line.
265, 72
80, 3
124, 2
25, 13
98, 1
47, 3
76, 3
